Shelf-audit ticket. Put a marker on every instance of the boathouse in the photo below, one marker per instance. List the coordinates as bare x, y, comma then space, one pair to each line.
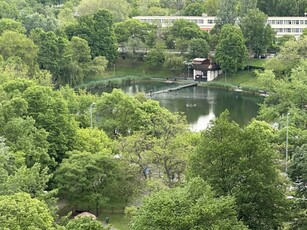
205, 70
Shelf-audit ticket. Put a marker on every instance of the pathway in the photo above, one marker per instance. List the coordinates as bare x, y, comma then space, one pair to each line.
172, 89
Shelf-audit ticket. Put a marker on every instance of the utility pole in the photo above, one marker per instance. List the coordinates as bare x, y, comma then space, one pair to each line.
287, 137
91, 114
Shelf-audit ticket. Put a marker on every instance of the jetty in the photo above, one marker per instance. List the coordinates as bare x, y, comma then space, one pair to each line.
151, 93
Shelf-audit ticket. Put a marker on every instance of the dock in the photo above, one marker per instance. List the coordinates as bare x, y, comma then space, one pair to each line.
171, 89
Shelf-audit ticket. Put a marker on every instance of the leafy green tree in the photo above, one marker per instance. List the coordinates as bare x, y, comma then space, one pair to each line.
93, 141
37, 20
134, 29
20, 211
231, 52
173, 62
198, 48
98, 31
87, 177
8, 10
50, 112
297, 170
267, 6
83, 223
155, 58
182, 31
259, 36
212, 7
194, 9
22, 135
155, 11
245, 6
227, 13
15, 44
289, 57
172, 4
10, 24
242, 163
119, 9
191, 207
53, 117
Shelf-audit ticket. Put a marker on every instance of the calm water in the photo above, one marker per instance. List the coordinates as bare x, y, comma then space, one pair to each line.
202, 104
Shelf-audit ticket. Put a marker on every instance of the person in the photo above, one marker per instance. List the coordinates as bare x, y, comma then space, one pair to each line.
107, 219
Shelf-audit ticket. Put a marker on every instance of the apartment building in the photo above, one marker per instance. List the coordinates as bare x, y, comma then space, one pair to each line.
282, 25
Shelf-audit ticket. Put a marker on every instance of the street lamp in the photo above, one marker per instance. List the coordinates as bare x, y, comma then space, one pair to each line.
287, 137
91, 113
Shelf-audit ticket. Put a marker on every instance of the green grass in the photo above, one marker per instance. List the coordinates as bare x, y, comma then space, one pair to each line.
119, 221
256, 62
127, 68
243, 78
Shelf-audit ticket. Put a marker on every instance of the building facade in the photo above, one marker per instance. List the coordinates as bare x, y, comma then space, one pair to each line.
282, 25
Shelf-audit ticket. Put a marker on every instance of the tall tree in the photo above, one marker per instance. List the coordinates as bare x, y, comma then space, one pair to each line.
98, 31
87, 177
231, 52
227, 13
258, 34
10, 24
242, 163
20, 211
246, 5
191, 207
15, 44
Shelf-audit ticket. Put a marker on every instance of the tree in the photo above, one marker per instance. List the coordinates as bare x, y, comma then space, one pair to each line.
212, 7
227, 13
297, 170
242, 163
20, 211
15, 44
231, 52
181, 32
191, 207
194, 9
246, 5
22, 135
289, 57
87, 177
8, 10
98, 31
173, 62
133, 29
10, 24
82, 223
120, 9
155, 58
49, 110
258, 35
34, 20
93, 141
198, 48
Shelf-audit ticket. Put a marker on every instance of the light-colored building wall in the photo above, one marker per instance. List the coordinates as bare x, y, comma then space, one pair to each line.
282, 25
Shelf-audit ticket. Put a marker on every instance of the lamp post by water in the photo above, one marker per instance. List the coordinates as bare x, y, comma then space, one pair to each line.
91, 113
287, 136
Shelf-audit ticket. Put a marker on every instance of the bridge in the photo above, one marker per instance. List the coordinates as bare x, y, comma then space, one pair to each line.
151, 93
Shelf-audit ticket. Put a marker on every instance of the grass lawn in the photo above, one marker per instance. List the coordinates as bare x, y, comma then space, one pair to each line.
256, 62
126, 68
241, 78
119, 221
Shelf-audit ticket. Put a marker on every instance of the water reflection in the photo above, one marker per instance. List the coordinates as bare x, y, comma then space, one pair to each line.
209, 104
200, 105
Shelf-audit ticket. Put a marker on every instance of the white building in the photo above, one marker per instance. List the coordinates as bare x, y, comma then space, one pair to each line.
282, 25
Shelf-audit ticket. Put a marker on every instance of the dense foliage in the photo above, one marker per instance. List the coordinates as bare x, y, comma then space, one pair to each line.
88, 150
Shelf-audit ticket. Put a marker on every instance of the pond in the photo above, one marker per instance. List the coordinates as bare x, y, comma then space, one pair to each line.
201, 104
